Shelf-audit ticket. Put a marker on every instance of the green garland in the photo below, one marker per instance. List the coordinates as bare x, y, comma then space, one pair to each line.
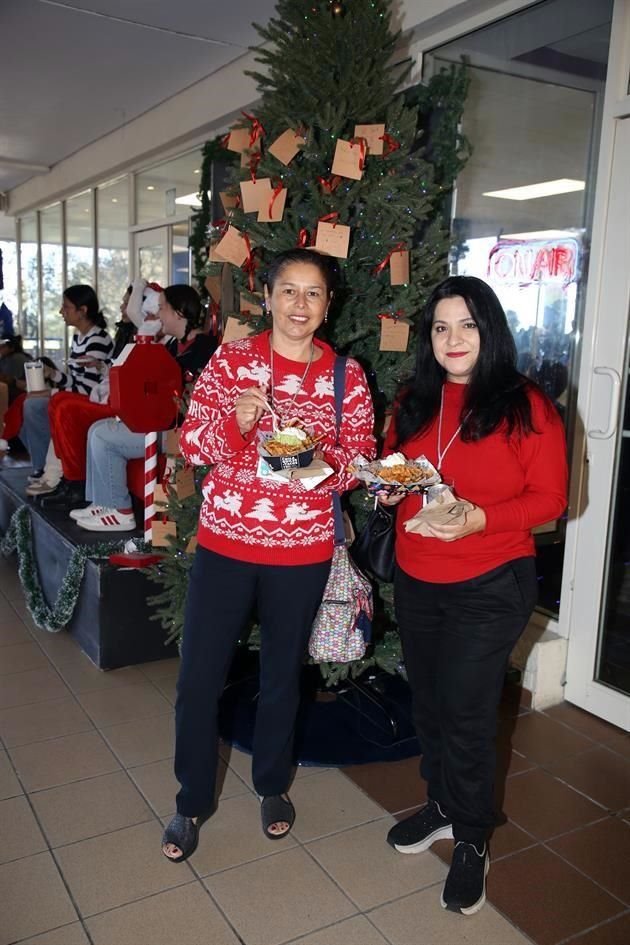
18, 538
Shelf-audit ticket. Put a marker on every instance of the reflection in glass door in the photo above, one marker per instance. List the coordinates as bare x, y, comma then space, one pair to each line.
152, 255
613, 659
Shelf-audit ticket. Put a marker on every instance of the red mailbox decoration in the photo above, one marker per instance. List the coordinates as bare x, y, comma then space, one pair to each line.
145, 384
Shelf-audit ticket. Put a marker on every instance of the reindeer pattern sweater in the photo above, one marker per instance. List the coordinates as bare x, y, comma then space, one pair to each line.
258, 520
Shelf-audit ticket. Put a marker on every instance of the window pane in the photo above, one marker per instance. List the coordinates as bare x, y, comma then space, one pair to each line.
168, 189
112, 239
29, 299
180, 254
9, 271
52, 281
79, 243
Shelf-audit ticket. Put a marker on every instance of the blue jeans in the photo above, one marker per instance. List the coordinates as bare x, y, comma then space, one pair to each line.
35, 430
110, 445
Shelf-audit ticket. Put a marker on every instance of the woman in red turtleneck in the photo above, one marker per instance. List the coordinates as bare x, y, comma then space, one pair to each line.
465, 594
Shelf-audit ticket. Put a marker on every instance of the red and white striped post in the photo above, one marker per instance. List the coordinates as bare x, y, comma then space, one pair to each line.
150, 482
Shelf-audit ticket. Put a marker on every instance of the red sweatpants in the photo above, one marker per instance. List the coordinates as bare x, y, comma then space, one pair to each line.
13, 418
71, 416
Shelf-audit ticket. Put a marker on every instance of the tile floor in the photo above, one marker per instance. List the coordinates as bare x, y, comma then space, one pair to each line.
86, 784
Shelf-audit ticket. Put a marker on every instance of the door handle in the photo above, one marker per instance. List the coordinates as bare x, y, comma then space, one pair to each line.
615, 380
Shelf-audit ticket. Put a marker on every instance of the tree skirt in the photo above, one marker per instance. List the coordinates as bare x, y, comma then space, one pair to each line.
354, 723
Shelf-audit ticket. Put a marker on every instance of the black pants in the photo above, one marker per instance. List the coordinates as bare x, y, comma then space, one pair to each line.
457, 640
221, 595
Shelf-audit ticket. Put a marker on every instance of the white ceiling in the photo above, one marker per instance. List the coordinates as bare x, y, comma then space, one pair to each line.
74, 70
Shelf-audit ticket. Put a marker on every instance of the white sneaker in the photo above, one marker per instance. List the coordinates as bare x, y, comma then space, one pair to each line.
40, 487
90, 510
108, 520
4, 445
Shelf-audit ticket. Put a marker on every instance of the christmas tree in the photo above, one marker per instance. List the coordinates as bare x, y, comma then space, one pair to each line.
334, 157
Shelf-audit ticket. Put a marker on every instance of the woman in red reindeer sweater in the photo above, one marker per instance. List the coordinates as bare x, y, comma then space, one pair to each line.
260, 541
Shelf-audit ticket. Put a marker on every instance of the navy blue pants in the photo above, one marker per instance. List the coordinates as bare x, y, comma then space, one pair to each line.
221, 596
457, 639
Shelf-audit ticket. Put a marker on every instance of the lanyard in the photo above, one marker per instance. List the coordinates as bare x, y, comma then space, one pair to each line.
441, 453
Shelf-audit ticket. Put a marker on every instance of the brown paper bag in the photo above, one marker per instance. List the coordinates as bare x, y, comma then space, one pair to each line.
444, 509
255, 194
232, 248
159, 495
160, 532
235, 330
347, 160
333, 239
399, 268
286, 146
277, 207
373, 135
394, 334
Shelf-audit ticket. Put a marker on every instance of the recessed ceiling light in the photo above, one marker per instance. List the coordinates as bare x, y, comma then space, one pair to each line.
150, 187
114, 199
547, 188
197, 170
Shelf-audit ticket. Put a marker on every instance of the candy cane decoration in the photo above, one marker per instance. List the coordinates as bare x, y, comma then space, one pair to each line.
150, 481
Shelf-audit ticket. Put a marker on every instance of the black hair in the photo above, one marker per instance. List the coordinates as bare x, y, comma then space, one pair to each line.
85, 296
327, 265
186, 302
496, 393
14, 342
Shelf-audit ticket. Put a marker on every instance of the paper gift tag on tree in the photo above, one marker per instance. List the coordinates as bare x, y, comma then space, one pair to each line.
333, 239
192, 545
249, 307
286, 146
348, 160
229, 201
161, 532
394, 334
213, 253
171, 443
185, 482
399, 268
272, 210
213, 287
373, 135
255, 193
232, 247
160, 497
235, 330
238, 140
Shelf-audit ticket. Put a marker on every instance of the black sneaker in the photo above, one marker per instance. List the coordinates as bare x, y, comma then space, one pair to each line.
465, 887
418, 832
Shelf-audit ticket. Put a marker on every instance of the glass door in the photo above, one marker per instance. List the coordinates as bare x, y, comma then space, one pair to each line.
598, 667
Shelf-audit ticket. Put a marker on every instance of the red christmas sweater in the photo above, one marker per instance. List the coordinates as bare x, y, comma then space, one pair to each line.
258, 520
519, 482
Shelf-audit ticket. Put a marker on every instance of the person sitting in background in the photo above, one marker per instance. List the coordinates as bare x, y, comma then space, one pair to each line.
111, 443
90, 352
71, 415
12, 383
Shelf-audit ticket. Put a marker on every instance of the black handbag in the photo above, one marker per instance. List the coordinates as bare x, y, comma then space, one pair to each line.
373, 548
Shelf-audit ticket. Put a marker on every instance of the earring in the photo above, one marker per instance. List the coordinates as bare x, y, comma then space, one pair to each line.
326, 317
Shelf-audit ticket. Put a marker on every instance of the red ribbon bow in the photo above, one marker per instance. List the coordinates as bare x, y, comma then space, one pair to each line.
362, 143
276, 192
390, 144
254, 161
397, 249
329, 186
329, 218
303, 238
250, 263
257, 130
393, 315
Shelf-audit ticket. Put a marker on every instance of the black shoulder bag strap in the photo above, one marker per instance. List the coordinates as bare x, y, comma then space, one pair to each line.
339, 387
